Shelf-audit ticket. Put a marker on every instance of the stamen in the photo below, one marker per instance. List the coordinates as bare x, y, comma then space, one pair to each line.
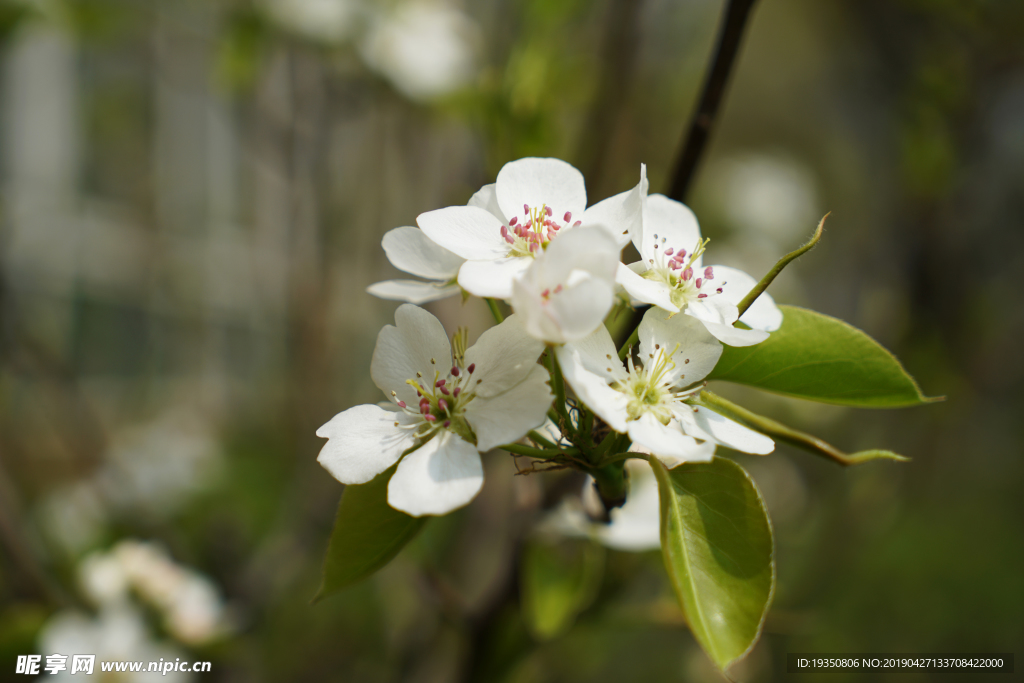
401, 404
547, 210
471, 368
515, 219
567, 217
709, 273
688, 273
430, 418
668, 252
439, 383
455, 371
447, 423
456, 392
443, 405
699, 282
702, 296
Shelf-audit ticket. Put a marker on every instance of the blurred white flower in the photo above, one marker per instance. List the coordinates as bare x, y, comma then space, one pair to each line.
473, 400
190, 604
634, 527
157, 466
73, 516
426, 49
324, 21
499, 243
649, 402
117, 633
569, 288
410, 250
767, 195
670, 275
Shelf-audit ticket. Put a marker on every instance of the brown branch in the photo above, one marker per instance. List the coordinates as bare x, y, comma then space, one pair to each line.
702, 122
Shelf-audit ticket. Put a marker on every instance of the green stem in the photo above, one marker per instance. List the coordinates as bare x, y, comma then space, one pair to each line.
777, 268
619, 457
611, 485
541, 453
495, 311
537, 437
781, 432
633, 338
557, 386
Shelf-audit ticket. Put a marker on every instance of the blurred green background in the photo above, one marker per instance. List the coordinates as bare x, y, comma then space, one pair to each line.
192, 199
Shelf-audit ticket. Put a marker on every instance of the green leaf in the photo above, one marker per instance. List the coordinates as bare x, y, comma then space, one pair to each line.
558, 582
820, 358
717, 543
368, 533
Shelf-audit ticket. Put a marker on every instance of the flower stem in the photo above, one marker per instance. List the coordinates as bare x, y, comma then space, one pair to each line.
537, 437
495, 311
733, 23
633, 338
794, 437
557, 386
540, 453
777, 268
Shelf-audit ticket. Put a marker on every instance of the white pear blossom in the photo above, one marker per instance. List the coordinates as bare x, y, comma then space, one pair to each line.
670, 275
410, 250
426, 49
323, 21
633, 527
448, 407
568, 289
648, 402
507, 224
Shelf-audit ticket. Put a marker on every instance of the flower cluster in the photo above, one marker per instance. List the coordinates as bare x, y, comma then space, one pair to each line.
531, 241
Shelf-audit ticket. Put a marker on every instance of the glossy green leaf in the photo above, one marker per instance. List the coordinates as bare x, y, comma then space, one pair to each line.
717, 543
558, 581
368, 533
817, 357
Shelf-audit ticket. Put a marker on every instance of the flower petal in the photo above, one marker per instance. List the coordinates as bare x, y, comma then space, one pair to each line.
487, 198
468, 231
581, 309
442, 475
508, 416
697, 352
671, 220
412, 291
592, 389
362, 442
707, 424
596, 353
589, 248
416, 343
734, 336
538, 182
645, 291
667, 443
763, 314
492, 278
622, 214
504, 355
409, 249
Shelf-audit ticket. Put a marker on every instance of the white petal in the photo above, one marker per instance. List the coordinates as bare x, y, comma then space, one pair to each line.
636, 526
763, 314
589, 248
596, 353
508, 416
492, 278
538, 318
504, 355
402, 351
442, 475
644, 290
363, 442
412, 291
593, 390
622, 214
707, 424
581, 309
538, 182
409, 249
672, 221
487, 198
734, 336
668, 443
468, 231
697, 352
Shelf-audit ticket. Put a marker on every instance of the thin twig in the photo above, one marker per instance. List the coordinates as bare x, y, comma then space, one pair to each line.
729, 38
777, 268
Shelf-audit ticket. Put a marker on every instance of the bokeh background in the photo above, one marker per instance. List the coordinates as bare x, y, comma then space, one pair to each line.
192, 199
